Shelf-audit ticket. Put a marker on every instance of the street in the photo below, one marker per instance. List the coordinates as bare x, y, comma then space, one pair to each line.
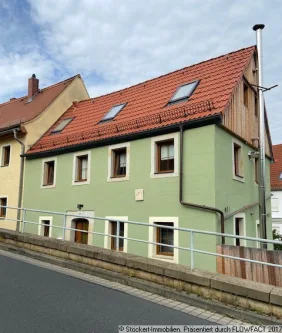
35, 299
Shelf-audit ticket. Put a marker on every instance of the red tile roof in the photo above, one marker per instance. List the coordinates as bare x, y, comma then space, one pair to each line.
146, 106
276, 168
18, 111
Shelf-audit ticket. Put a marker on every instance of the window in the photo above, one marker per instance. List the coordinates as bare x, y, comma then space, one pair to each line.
118, 162
6, 153
280, 176
239, 230
81, 168
113, 111
256, 106
113, 226
246, 95
237, 161
165, 156
46, 227
258, 234
274, 205
184, 92
3, 202
61, 125
164, 236
257, 170
49, 173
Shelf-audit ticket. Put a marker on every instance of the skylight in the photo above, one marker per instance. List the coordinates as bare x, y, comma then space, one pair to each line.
62, 125
113, 112
184, 91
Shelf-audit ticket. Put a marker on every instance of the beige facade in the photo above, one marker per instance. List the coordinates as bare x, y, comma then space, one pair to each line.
10, 174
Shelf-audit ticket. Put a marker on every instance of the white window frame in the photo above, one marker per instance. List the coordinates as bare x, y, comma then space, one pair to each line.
111, 162
154, 155
2, 155
42, 172
74, 168
152, 248
41, 227
243, 216
275, 209
239, 143
107, 239
5, 197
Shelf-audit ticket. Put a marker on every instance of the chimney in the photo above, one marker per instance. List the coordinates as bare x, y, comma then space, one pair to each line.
33, 87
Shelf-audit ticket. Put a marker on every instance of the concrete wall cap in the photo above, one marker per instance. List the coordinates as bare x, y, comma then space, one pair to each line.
276, 296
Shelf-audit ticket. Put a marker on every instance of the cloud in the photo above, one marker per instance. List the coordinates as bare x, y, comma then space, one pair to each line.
115, 44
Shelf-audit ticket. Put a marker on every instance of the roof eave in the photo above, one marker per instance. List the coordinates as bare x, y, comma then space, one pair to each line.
213, 119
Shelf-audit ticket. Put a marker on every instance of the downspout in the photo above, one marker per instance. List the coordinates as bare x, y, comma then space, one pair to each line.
21, 179
192, 205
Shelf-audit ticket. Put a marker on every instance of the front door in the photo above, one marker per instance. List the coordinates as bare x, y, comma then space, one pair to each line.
81, 237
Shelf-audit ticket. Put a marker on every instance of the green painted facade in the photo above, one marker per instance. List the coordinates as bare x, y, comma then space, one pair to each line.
208, 181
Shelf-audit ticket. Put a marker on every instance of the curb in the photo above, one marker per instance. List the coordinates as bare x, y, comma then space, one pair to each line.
151, 287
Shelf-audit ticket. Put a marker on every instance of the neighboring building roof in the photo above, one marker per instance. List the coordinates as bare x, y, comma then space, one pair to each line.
147, 104
18, 111
276, 168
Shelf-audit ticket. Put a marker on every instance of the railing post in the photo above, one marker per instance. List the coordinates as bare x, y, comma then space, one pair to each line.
64, 230
192, 249
23, 220
117, 236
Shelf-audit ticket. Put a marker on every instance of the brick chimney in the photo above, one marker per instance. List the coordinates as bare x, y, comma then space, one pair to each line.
33, 86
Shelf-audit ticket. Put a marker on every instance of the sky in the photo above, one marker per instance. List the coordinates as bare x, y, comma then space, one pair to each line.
114, 44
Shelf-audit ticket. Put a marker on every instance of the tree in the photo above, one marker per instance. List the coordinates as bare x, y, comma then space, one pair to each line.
277, 237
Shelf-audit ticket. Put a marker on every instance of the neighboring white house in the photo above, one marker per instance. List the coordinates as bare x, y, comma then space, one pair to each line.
276, 189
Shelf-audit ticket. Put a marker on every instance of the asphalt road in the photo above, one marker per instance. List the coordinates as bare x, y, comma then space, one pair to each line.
34, 299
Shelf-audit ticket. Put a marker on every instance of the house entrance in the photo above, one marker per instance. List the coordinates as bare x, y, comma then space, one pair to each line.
80, 236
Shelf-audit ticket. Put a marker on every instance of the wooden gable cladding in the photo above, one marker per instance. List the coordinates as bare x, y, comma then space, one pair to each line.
241, 115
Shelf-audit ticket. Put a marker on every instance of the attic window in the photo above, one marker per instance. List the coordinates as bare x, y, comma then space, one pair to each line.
184, 92
62, 125
114, 111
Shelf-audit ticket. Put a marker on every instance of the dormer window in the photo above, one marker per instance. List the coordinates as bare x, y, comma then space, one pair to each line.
184, 92
62, 125
113, 112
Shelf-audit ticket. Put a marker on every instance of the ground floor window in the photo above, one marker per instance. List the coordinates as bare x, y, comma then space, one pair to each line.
166, 237
239, 230
81, 226
113, 228
3, 210
46, 228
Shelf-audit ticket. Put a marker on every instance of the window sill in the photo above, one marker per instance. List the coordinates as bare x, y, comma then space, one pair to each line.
164, 258
239, 178
164, 174
48, 186
82, 182
5, 166
117, 179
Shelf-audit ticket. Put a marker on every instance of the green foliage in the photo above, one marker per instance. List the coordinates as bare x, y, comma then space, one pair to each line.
277, 237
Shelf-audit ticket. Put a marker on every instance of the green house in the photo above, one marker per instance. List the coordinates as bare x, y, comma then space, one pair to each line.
141, 153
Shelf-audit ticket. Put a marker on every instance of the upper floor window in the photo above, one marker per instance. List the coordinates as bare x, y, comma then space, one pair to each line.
6, 153
256, 106
165, 156
257, 170
49, 172
246, 95
118, 162
3, 209
237, 161
81, 168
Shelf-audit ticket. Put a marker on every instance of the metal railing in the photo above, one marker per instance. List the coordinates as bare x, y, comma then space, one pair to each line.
118, 237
